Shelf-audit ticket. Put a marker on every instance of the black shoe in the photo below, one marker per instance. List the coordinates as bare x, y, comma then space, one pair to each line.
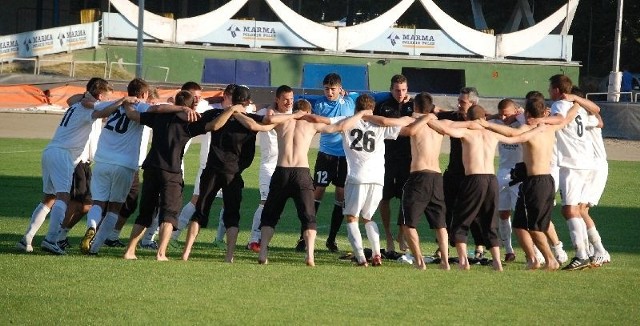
63, 244
114, 243
392, 255
332, 246
301, 246
577, 264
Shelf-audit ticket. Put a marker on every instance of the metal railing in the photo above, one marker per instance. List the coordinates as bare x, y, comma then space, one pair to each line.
632, 96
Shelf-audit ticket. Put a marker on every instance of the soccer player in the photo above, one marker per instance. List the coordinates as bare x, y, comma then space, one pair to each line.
268, 158
117, 160
397, 157
162, 168
423, 192
477, 199
58, 162
331, 164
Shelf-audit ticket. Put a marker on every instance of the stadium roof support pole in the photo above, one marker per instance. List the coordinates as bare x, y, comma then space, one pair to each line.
615, 77
140, 43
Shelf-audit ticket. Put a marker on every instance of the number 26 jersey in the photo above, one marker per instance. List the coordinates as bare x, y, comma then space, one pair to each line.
364, 149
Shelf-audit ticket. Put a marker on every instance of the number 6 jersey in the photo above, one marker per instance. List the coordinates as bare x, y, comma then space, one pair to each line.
364, 149
574, 145
119, 142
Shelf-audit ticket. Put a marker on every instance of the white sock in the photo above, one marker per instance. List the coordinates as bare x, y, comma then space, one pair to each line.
595, 240
575, 231
183, 219
255, 225
585, 236
108, 223
151, 232
57, 216
355, 238
374, 236
221, 229
115, 235
37, 218
504, 227
94, 216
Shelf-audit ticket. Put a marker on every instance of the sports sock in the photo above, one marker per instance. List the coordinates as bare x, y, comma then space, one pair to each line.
64, 232
316, 204
108, 223
151, 232
574, 224
37, 218
115, 235
336, 221
505, 234
355, 238
585, 236
595, 240
57, 216
221, 229
93, 216
373, 234
183, 219
255, 226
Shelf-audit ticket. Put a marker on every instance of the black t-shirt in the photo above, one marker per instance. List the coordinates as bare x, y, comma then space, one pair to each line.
233, 146
400, 147
455, 154
170, 135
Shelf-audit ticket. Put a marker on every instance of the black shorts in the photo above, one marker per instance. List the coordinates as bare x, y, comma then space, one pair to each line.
161, 190
210, 182
423, 194
330, 169
451, 188
80, 183
396, 173
477, 200
131, 203
535, 203
290, 182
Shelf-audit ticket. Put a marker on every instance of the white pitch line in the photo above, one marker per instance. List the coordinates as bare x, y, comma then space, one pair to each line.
16, 152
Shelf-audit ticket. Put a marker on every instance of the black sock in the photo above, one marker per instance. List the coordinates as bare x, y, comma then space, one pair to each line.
336, 220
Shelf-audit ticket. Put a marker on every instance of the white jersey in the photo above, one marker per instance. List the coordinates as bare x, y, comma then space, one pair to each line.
364, 149
121, 138
144, 145
573, 143
510, 154
92, 143
73, 131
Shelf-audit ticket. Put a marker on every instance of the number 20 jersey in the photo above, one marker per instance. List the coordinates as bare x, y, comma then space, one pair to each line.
364, 149
119, 142
574, 145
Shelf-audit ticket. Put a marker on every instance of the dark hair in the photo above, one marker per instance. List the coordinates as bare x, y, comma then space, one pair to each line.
531, 94
562, 83
535, 107
332, 79
575, 90
191, 86
365, 102
241, 95
137, 87
472, 92
503, 104
93, 81
229, 89
100, 86
398, 79
302, 105
283, 89
184, 98
423, 102
476, 112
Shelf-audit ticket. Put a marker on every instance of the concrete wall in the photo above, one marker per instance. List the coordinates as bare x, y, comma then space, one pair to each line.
491, 78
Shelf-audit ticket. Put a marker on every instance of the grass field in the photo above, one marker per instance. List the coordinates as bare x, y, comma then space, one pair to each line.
39, 288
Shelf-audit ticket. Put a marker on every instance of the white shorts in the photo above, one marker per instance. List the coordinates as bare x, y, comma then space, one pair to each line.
573, 186
196, 184
361, 200
57, 170
264, 178
597, 183
110, 182
507, 195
